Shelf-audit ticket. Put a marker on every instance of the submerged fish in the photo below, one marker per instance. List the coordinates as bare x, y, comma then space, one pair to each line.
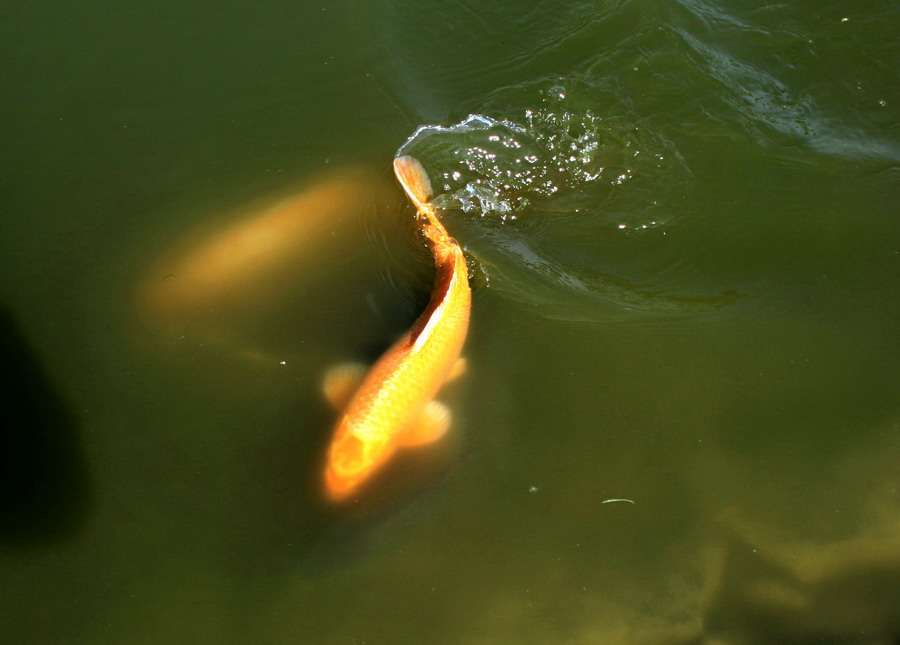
393, 406
259, 254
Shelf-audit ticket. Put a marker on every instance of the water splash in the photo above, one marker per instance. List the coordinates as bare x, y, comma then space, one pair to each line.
546, 190
552, 157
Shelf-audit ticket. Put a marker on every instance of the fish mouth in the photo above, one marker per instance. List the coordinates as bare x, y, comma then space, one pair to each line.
338, 487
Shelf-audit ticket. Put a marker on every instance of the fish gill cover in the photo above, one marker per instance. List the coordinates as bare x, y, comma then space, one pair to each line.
547, 188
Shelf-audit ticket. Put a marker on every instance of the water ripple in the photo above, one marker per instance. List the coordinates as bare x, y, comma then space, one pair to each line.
545, 190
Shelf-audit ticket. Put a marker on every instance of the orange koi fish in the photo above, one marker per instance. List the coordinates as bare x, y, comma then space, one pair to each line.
259, 254
392, 406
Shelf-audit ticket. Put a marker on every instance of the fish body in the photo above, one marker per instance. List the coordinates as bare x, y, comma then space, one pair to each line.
393, 405
253, 258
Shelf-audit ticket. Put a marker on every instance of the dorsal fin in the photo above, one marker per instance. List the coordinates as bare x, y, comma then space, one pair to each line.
414, 179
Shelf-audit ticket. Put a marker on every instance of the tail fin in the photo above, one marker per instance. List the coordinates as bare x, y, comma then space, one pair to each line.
413, 178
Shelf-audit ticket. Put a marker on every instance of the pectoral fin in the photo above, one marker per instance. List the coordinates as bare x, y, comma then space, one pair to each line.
433, 425
458, 369
341, 383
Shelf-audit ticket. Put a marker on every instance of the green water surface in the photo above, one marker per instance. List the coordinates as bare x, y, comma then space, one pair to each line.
699, 446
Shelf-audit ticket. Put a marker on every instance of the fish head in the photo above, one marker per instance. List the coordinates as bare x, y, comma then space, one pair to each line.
352, 459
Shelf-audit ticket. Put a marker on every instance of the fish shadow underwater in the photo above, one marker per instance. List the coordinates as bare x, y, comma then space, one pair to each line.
43, 477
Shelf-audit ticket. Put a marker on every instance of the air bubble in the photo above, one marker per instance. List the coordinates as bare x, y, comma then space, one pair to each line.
551, 157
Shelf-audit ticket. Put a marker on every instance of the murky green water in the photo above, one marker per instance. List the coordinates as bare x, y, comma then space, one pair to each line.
680, 418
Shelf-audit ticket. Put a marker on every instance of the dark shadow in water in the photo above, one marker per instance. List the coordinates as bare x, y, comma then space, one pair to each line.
43, 479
